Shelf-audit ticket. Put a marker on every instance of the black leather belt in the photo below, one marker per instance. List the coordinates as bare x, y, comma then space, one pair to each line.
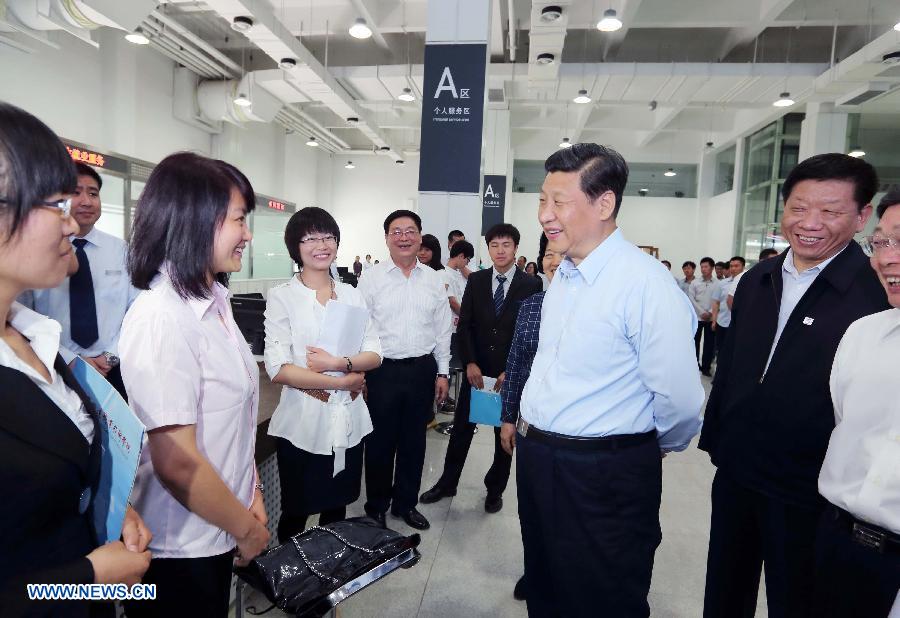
866, 534
407, 361
604, 443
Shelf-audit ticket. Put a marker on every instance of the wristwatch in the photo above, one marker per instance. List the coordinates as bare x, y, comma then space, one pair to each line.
261, 487
349, 364
443, 375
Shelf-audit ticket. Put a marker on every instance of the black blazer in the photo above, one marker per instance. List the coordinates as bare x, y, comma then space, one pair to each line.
45, 464
771, 433
483, 337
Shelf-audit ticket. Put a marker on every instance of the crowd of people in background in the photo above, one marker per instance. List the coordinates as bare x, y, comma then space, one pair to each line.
592, 347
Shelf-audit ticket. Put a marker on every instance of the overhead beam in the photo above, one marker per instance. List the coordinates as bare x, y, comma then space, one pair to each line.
769, 10
661, 120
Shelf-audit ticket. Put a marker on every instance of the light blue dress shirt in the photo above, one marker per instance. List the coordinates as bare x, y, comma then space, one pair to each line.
113, 295
794, 286
616, 351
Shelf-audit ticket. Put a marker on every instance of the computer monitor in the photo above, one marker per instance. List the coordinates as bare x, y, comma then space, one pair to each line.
249, 315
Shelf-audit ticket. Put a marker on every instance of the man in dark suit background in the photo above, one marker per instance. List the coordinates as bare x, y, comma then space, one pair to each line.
487, 319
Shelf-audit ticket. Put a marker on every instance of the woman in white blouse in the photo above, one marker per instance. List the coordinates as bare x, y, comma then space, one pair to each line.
321, 419
193, 382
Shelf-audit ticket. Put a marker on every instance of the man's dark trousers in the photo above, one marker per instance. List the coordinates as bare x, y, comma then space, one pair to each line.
590, 527
484, 337
709, 345
400, 398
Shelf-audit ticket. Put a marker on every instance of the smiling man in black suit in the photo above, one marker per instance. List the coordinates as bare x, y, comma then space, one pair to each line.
487, 319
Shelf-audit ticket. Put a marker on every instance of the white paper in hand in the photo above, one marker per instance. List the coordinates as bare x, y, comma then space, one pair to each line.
343, 330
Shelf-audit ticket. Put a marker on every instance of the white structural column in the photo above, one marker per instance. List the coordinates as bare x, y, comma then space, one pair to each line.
461, 22
823, 130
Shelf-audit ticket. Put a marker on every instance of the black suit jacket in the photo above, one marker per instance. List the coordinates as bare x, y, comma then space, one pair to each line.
45, 464
483, 337
770, 433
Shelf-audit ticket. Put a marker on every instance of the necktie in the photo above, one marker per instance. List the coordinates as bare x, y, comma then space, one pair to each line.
82, 305
498, 295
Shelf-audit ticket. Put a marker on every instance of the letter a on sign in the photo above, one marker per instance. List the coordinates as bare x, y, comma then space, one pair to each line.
446, 83
489, 192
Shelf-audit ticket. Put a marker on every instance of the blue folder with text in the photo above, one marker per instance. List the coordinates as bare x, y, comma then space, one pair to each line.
121, 441
485, 406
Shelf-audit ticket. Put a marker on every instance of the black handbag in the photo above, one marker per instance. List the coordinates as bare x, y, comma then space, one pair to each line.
299, 574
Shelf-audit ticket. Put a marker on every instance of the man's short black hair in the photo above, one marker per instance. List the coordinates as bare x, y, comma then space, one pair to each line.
739, 259
602, 169
454, 234
708, 260
836, 166
721, 265
766, 253
689, 263
891, 198
503, 230
398, 214
462, 247
86, 170
667, 263
311, 219
542, 250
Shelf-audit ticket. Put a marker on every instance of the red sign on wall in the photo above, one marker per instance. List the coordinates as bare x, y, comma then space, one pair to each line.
86, 156
276, 205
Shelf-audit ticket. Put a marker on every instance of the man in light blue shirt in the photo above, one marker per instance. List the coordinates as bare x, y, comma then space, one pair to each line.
614, 383
91, 304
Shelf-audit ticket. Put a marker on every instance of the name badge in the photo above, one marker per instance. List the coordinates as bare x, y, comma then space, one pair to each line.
808, 321
113, 272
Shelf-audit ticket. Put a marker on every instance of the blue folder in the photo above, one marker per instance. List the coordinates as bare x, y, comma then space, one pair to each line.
485, 408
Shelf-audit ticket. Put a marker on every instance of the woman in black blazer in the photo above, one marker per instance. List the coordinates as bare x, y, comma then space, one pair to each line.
49, 446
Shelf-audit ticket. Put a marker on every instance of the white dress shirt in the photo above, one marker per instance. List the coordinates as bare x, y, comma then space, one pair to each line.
411, 314
616, 351
509, 274
184, 362
456, 287
721, 294
43, 334
294, 321
700, 292
861, 471
545, 282
113, 294
794, 286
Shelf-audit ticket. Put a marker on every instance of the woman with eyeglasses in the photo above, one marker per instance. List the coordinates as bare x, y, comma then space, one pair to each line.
49, 430
322, 418
194, 383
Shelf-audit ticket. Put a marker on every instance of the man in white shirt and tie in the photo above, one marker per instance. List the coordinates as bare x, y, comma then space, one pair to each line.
91, 304
408, 303
858, 540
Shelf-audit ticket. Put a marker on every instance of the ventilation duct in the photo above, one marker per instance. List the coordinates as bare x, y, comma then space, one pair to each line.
77, 17
863, 94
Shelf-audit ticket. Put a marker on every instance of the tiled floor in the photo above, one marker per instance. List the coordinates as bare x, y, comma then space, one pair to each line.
471, 560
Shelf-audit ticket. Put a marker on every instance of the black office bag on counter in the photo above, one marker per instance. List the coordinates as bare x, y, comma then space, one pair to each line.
318, 568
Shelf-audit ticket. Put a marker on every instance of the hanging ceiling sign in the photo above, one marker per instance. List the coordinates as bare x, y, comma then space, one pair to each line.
97, 159
493, 200
452, 118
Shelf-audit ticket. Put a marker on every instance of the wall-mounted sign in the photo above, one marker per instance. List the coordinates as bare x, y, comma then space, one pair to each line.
493, 201
275, 205
452, 118
97, 159
267, 203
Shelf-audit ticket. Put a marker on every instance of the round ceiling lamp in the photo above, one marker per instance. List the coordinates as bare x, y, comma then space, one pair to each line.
784, 100
242, 23
349, 165
610, 22
670, 172
137, 37
857, 152
312, 142
565, 143
582, 97
407, 95
360, 30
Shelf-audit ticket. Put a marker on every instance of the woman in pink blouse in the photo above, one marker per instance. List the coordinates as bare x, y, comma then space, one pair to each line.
192, 380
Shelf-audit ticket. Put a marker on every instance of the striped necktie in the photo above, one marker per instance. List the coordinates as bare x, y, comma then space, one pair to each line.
498, 295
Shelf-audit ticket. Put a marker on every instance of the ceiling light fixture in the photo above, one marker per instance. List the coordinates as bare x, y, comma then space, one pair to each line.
582, 97
349, 165
243, 100
565, 143
407, 95
137, 37
242, 23
857, 152
551, 13
312, 142
287, 63
610, 22
897, 26
400, 162
545, 58
784, 100
360, 30
670, 172
644, 191
353, 121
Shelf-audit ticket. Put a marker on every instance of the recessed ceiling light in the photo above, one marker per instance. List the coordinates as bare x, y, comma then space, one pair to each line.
353, 121
137, 37
360, 30
243, 100
287, 63
784, 100
407, 95
857, 152
349, 165
565, 143
312, 142
610, 22
644, 191
582, 97
242, 23
551, 13
400, 162
897, 26
670, 172
545, 58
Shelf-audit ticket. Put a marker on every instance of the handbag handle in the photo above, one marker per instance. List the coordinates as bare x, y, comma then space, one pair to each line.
309, 565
